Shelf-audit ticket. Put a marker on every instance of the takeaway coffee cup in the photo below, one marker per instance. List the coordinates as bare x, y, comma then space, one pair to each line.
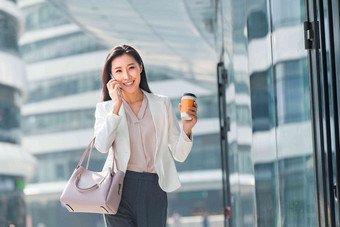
187, 101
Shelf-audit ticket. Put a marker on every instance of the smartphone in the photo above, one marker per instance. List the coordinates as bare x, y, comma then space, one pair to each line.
120, 94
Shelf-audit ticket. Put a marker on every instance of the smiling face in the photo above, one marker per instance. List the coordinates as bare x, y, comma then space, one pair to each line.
126, 70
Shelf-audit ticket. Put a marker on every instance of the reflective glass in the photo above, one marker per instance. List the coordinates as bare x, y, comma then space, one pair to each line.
206, 155
280, 99
57, 47
9, 115
42, 16
64, 85
12, 201
294, 128
58, 121
241, 172
9, 33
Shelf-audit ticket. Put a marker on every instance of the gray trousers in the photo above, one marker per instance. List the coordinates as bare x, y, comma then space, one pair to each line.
143, 203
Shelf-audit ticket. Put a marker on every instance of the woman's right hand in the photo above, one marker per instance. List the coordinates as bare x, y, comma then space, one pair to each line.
112, 87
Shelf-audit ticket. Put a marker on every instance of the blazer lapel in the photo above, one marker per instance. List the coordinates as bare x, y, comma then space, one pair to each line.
156, 112
122, 131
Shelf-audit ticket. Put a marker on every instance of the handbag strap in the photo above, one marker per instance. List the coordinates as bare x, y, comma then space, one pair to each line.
88, 160
95, 186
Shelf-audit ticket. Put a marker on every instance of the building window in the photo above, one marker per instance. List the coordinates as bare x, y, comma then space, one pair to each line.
43, 16
9, 33
62, 46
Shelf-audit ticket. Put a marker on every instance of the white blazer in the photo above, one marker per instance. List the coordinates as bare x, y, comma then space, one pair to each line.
112, 134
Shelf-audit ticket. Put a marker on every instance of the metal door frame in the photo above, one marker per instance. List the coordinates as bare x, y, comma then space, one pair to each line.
222, 78
324, 70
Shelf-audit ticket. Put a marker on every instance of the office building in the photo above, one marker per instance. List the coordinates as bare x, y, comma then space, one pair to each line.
16, 164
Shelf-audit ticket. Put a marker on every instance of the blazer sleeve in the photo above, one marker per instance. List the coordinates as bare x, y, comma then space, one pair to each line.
105, 128
178, 142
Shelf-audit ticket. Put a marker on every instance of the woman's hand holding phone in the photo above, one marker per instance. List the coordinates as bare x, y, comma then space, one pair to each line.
113, 86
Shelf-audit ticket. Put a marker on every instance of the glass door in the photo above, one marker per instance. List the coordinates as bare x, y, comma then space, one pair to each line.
322, 43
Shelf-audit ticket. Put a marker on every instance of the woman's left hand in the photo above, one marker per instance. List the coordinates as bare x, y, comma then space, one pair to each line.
189, 124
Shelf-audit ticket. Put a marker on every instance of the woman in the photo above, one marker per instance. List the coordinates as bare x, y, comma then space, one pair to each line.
137, 126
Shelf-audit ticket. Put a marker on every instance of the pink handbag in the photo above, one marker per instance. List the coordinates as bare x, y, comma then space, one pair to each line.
93, 192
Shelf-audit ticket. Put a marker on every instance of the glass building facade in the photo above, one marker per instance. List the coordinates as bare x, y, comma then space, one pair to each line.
267, 65
16, 165
49, 39
10, 115
9, 35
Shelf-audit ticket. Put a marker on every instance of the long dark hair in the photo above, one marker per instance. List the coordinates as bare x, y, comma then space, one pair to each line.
119, 51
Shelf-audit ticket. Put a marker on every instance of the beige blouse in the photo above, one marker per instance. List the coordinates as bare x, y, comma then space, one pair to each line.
142, 135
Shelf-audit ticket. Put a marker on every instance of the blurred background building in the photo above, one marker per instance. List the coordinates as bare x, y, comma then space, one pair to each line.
273, 178
64, 63
16, 164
